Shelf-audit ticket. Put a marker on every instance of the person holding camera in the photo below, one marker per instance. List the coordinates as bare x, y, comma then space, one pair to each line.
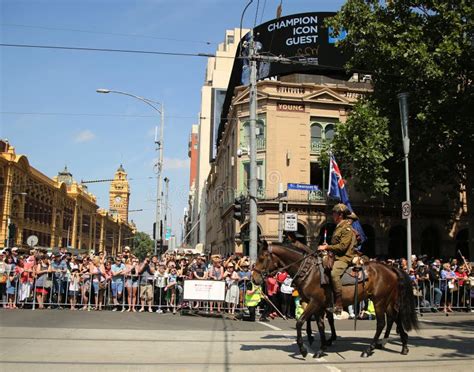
146, 273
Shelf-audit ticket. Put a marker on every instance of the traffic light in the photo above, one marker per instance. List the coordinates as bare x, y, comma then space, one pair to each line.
240, 206
154, 230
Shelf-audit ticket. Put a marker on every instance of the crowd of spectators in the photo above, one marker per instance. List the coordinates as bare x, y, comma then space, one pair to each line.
62, 280
439, 285
39, 279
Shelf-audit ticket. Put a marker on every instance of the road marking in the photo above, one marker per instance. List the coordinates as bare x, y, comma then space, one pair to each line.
270, 326
426, 320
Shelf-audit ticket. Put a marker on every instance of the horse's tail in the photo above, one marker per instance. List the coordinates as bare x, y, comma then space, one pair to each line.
406, 302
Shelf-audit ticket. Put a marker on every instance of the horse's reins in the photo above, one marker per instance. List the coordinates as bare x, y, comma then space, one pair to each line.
271, 273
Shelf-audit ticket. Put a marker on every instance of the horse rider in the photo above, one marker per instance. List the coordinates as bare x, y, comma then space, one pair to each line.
342, 245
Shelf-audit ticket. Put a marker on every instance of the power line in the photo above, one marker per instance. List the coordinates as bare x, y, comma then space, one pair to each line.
302, 60
91, 114
256, 14
112, 179
263, 10
38, 185
109, 50
106, 33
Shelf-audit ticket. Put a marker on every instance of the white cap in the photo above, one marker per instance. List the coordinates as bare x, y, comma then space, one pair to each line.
14, 249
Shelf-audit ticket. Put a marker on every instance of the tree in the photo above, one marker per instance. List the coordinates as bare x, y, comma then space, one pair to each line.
364, 157
142, 245
425, 48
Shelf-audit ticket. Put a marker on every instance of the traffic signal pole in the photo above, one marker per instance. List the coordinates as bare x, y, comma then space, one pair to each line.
403, 103
253, 151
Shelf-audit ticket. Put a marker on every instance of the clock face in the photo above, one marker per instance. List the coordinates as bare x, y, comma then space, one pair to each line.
118, 199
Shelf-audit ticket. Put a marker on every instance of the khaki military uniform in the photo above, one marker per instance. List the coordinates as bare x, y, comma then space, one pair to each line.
342, 245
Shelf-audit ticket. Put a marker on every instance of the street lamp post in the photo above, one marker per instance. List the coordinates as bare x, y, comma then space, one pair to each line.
403, 103
159, 149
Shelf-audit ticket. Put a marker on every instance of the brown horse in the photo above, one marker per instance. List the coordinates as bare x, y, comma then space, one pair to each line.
390, 290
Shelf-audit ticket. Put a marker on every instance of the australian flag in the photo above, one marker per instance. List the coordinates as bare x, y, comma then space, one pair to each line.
337, 190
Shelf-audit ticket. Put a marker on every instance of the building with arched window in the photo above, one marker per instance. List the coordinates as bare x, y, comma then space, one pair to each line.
294, 122
58, 210
297, 115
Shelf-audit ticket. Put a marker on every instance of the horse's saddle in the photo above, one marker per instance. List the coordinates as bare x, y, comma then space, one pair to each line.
349, 276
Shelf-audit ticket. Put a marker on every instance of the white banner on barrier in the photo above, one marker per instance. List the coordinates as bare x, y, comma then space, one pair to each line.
204, 290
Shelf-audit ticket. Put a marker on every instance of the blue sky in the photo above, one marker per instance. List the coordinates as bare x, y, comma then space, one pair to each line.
119, 129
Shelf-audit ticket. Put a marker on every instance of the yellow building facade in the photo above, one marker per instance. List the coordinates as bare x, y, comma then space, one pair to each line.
59, 211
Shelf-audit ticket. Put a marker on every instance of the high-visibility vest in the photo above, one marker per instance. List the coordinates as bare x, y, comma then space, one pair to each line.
371, 308
254, 298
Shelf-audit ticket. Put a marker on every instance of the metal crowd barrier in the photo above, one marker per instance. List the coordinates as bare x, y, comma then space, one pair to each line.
137, 293
443, 295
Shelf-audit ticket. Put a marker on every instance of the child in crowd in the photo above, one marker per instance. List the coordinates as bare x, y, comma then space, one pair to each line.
232, 295
161, 278
74, 281
171, 288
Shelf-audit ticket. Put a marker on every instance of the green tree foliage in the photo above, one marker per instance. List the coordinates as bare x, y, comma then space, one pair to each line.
143, 245
364, 157
424, 48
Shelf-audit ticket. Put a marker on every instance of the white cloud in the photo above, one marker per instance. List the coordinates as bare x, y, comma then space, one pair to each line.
174, 163
84, 136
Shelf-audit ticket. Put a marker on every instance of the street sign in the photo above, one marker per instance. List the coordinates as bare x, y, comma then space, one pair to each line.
406, 210
302, 186
291, 221
32, 240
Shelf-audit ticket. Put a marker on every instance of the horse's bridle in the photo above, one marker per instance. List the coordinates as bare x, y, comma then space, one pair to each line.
265, 273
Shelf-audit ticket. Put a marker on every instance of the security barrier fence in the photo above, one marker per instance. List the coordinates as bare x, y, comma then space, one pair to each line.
132, 293
152, 294
444, 295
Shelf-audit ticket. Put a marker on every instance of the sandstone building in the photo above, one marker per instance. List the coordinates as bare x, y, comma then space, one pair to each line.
59, 211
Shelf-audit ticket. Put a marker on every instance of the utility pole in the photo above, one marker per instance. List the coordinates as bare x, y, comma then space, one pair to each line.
403, 103
159, 168
253, 150
165, 224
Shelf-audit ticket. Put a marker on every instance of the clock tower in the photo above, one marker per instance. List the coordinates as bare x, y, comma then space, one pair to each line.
119, 194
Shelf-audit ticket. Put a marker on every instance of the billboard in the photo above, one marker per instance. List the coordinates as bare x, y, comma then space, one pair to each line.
303, 39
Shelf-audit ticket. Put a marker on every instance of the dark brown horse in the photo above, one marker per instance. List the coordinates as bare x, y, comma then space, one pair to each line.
390, 290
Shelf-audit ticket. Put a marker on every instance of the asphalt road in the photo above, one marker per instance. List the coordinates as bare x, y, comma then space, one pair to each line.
54, 340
